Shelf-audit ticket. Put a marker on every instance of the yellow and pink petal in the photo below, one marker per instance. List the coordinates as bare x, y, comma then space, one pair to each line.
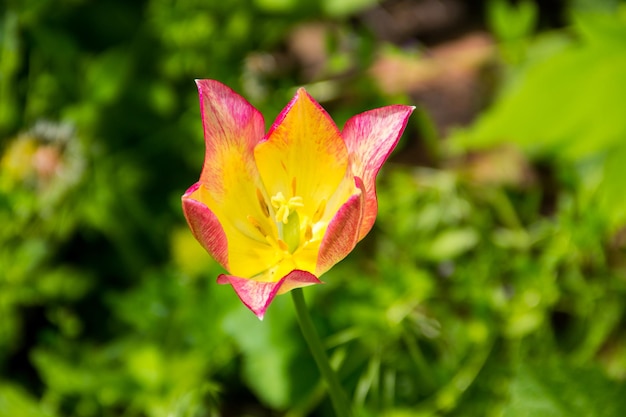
258, 295
205, 226
370, 138
230, 183
342, 233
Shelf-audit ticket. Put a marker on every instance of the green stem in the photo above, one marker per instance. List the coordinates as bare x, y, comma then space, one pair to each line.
337, 395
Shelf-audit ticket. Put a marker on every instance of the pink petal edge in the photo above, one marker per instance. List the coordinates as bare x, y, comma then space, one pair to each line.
257, 296
371, 137
217, 99
229, 121
205, 227
342, 233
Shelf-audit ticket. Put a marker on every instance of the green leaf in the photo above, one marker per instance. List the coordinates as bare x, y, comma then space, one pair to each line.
602, 28
107, 74
276, 5
611, 198
345, 7
16, 402
509, 21
570, 104
452, 243
557, 390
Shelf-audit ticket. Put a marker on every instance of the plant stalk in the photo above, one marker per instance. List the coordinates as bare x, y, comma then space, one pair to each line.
337, 395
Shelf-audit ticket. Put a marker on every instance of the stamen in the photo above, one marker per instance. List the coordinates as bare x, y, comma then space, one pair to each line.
262, 203
320, 211
272, 242
282, 245
284, 207
257, 225
282, 215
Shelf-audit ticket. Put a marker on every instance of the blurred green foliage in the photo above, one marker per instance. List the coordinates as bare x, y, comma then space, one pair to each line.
493, 283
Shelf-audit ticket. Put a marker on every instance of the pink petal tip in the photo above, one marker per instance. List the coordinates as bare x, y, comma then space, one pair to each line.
257, 296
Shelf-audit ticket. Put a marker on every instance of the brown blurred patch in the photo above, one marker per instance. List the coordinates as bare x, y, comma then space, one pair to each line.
396, 21
448, 80
616, 251
502, 166
309, 44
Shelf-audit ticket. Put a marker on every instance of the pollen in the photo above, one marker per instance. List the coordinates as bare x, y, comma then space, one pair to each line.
284, 207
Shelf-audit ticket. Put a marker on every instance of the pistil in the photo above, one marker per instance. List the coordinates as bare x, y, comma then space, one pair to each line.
287, 219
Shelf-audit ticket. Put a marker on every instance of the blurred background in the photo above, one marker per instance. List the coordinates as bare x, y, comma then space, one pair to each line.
493, 283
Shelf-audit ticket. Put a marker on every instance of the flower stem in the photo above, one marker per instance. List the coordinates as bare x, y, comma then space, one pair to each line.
337, 395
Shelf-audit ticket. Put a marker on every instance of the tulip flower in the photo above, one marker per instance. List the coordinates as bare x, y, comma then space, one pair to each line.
277, 210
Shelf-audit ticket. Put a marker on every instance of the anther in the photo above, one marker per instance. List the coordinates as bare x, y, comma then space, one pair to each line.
262, 203
319, 212
282, 245
254, 222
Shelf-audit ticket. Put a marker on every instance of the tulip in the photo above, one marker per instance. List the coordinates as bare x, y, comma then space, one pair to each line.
278, 210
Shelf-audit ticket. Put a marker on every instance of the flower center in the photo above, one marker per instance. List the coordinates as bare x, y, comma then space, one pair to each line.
284, 207
287, 219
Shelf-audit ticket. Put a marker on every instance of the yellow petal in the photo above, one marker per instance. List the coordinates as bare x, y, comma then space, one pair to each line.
230, 184
248, 232
303, 156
